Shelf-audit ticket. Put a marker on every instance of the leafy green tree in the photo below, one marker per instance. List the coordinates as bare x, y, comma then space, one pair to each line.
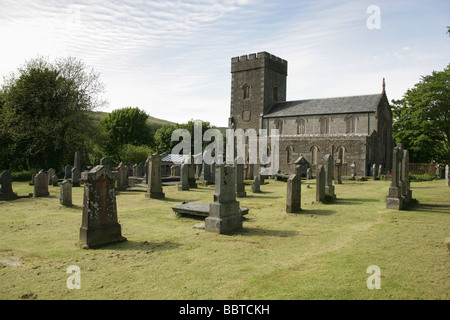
126, 126
163, 141
43, 113
422, 118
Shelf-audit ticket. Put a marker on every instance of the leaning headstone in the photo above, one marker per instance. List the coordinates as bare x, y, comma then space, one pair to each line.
184, 178
395, 199
224, 214
41, 185
294, 192
154, 189
328, 164
76, 176
99, 223
65, 193
256, 186
447, 175
6, 191
240, 186
320, 184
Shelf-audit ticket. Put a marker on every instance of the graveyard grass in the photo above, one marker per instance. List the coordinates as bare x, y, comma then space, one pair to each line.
321, 253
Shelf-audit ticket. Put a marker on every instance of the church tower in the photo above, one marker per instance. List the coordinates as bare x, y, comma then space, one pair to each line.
258, 82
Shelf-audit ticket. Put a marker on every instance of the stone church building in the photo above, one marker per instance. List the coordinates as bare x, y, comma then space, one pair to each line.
353, 128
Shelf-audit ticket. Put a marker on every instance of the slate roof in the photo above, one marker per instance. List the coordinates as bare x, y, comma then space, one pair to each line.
175, 158
339, 105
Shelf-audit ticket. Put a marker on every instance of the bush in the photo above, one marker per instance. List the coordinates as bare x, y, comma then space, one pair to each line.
134, 154
421, 177
23, 176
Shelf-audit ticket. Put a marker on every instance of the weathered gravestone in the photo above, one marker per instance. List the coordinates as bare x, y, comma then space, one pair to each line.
206, 175
320, 184
184, 178
224, 215
294, 192
68, 172
329, 169
240, 186
50, 173
65, 193
374, 172
106, 162
309, 175
41, 185
122, 181
191, 166
99, 223
399, 192
256, 186
406, 191
154, 189
353, 167
77, 160
76, 176
338, 172
6, 190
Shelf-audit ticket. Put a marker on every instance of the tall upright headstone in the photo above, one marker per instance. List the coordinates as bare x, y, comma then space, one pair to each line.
191, 166
256, 185
309, 175
41, 185
338, 172
353, 167
106, 162
154, 190
65, 193
240, 186
68, 172
320, 184
395, 198
329, 169
224, 215
184, 178
77, 160
50, 173
407, 192
6, 190
100, 224
294, 192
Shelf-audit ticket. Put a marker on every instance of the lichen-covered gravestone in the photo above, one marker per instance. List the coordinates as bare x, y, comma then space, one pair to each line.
65, 193
320, 184
224, 215
99, 223
294, 192
154, 189
329, 169
240, 186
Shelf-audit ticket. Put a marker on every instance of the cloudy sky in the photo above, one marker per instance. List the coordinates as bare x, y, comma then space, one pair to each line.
172, 58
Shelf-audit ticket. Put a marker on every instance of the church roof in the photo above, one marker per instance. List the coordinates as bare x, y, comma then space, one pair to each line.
339, 105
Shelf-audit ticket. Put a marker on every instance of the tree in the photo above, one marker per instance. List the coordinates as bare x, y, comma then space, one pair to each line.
44, 112
126, 126
422, 118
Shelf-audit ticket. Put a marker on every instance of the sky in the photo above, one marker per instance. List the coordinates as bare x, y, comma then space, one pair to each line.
173, 58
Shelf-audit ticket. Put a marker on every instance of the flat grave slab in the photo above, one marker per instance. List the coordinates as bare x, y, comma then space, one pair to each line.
198, 209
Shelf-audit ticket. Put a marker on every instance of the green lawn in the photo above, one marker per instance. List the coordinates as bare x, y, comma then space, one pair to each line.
321, 253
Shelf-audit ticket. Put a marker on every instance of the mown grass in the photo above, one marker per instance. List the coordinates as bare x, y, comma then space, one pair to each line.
321, 253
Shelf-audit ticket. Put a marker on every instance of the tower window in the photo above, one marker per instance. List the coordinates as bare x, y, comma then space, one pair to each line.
275, 93
246, 92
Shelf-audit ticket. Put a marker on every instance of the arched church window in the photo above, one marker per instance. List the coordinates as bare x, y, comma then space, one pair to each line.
301, 126
350, 124
325, 125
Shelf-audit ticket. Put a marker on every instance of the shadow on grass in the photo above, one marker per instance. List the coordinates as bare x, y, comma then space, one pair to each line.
141, 245
354, 201
249, 231
430, 207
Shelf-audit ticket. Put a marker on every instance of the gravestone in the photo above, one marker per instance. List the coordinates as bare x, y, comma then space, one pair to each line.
154, 190
320, 184
309, 174
99, 223
146, 172
240, 186
256, 186
380, 170
407, 192
55, 180
224, 214
77, 160
50, 173
76, 176
106, 162
191, 166
447, 175
184, 178
6, 190
338, 172
68, 172
65, 193
33, 178
374, 172
395, 198
122, 181
293, 194
41, 185
206, 174
353, 167
328, 165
